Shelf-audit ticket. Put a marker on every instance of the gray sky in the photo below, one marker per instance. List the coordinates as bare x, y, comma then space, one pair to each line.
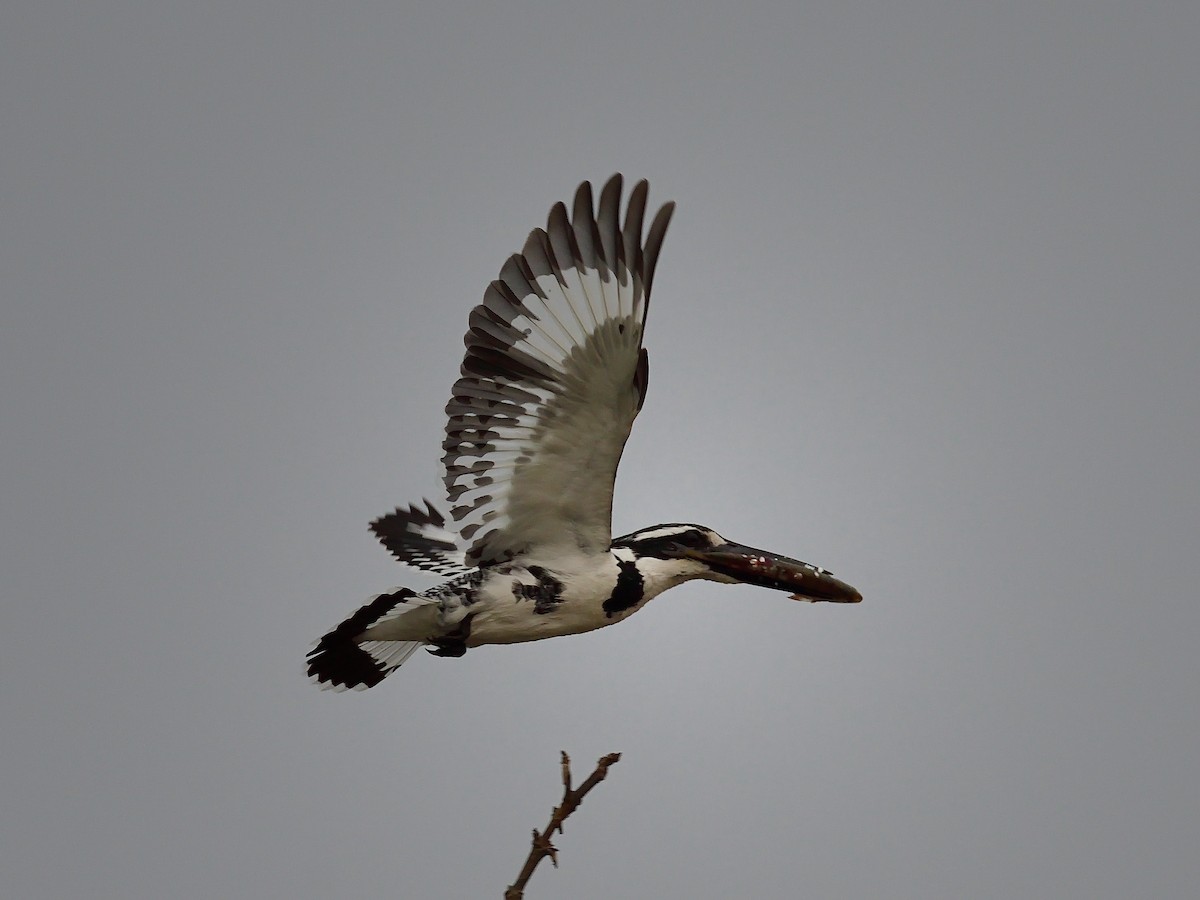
927, 315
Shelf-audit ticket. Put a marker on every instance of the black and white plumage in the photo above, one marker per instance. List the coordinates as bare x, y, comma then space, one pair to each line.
553, 378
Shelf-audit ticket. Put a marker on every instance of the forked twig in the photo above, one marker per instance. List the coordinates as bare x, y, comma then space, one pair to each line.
542, 847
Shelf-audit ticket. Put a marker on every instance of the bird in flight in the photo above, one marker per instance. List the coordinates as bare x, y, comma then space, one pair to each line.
553, 377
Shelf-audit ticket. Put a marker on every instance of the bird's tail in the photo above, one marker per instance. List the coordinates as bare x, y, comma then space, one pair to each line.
373, 642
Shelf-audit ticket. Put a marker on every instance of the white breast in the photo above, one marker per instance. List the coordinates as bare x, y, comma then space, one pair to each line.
502, 614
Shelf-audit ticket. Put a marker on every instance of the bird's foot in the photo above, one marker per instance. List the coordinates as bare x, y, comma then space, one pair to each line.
453, 643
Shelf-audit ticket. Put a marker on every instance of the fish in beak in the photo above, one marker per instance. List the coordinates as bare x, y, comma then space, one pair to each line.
781, 573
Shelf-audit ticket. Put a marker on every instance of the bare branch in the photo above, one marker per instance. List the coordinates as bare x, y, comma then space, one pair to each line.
541, 845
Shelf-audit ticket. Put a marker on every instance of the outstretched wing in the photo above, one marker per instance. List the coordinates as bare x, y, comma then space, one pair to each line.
553, 378
419, 538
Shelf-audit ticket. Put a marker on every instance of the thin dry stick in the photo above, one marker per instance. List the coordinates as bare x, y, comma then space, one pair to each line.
570, 802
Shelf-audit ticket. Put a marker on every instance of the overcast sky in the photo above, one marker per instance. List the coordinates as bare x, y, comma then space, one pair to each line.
927, 315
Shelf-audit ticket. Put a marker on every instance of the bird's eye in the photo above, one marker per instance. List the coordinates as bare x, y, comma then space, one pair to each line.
689, 540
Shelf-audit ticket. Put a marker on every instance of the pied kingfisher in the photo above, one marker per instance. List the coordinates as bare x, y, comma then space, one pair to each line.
553, 377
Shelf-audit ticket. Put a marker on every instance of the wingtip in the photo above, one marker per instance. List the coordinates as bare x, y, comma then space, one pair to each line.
557, 217
581, 208
614, 184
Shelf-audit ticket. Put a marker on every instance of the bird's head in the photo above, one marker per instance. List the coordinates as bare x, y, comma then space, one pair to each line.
678, 553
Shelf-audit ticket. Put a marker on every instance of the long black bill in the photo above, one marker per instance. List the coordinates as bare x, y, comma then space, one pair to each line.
780, 573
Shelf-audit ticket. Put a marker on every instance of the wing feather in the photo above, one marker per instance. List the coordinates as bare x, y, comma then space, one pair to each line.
587, 261
553, 377
608, 225
419, 538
